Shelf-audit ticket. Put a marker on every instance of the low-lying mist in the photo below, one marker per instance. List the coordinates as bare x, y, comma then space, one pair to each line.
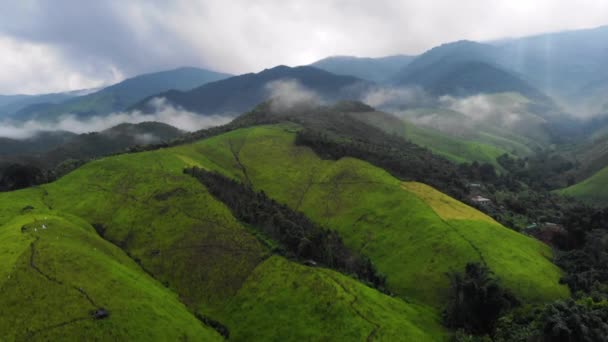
163, 112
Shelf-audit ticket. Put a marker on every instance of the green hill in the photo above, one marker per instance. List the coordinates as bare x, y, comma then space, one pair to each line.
591, 190
225, 272
57, 273
356, 198
177, 232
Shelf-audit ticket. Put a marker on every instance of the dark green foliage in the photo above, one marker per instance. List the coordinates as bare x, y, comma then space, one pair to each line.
402, 159
542, 171
476, 300
587, 267
217, 326
298, 237
17, 176
568, 321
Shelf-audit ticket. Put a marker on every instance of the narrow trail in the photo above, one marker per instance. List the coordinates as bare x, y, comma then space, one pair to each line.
52, 279
376, 326
32, 262
236, 154
33, 333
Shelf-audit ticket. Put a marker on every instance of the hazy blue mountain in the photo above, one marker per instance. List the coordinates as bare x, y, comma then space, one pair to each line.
462, 69
10, 104
240, 93
559, 63
372, 69
124, 94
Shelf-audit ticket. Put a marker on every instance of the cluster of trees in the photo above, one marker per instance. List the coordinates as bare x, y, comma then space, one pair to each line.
297, 237
560, 321
15, 176
476, 301
402, 159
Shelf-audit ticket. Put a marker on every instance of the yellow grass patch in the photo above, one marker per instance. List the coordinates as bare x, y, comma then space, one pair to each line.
446, 207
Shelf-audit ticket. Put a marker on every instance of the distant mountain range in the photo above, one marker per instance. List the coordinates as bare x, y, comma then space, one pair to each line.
371, 69
11, 104
240, 93
121, 95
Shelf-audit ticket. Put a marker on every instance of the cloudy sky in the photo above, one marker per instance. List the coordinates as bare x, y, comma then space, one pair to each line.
73, 44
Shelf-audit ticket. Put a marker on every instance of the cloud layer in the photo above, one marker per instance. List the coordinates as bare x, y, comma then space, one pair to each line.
164, 113
94, 42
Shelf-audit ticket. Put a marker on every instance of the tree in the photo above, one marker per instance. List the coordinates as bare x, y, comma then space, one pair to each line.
476, 300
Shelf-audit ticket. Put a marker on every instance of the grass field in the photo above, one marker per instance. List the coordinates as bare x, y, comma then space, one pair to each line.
404, 237
209, 263
591, 190
56, 270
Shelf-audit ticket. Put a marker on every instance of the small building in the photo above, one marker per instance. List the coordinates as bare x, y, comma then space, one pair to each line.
481, 200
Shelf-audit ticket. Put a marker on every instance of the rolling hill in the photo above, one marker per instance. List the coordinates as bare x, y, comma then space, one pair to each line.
227, 273
240, 93
591, 190
121, 95
372, 69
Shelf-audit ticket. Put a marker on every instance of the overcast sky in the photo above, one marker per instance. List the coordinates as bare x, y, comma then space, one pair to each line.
62, 45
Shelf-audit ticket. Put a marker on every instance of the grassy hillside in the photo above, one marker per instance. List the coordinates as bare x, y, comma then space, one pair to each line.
407, 240
592, 190
56, 272
168, 223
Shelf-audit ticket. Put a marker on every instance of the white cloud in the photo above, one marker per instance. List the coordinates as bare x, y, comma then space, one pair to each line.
286, 94
241, 35
36, 68
164, 112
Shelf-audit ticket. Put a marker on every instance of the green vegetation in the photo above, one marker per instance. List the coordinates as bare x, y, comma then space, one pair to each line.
58, 277
222, 267
592, 190
414, 247
285, 301
177, 232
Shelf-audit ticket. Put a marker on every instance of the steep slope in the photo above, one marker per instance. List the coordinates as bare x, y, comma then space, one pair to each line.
371, 69
60, 279
355, 199
122, 95
190, 242
240, 93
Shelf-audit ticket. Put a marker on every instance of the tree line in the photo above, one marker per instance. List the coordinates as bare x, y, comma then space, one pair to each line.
297, 237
